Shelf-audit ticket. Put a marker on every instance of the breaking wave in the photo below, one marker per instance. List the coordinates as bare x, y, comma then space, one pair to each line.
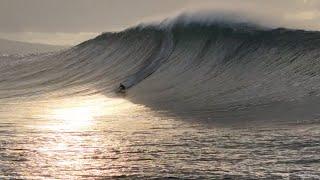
219, 68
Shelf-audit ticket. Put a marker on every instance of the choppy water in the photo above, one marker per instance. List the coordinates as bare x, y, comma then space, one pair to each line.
38, 140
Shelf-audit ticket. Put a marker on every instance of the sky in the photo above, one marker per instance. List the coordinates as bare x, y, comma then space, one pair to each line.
68, 22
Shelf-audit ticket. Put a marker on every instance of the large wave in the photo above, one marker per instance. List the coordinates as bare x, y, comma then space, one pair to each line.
218, 69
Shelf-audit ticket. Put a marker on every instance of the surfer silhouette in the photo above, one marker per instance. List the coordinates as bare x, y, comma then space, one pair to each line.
122, 88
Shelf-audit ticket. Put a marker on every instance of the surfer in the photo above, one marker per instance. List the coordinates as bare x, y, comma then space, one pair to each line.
122, 89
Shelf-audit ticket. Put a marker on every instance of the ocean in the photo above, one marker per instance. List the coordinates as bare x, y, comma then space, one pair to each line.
201, 101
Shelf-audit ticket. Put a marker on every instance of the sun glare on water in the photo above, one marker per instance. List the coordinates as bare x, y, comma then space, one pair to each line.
72, 114
74, 117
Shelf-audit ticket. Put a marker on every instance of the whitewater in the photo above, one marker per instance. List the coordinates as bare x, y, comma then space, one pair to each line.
218, 99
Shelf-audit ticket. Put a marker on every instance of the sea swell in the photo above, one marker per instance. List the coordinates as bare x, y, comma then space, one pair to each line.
221, 70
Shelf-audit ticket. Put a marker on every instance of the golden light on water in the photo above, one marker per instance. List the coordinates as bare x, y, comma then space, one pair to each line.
80, 113
74, 117
70, 137
73, 114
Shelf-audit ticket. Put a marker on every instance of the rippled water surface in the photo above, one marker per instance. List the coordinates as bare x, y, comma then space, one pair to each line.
111, 138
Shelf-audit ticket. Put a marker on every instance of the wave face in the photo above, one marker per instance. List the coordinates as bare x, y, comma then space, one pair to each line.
219, 69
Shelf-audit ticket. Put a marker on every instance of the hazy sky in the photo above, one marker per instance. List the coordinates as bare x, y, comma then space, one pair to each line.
72, 21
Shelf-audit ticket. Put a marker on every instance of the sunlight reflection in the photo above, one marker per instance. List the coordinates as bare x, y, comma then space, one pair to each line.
70, 134
78, 113
74, 117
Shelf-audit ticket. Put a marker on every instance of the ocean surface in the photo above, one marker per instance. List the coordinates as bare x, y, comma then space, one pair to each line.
133, 142
202, 101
